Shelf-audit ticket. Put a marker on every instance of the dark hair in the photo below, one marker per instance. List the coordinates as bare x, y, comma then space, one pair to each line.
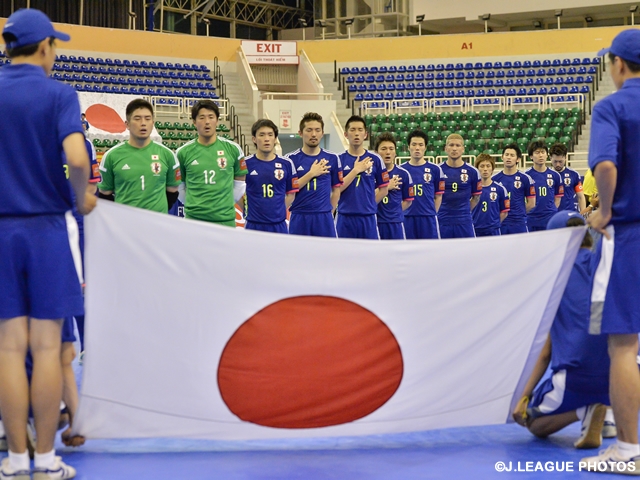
207, 105
513, 146
485, 157
135, 105
311, 117
385, 137
354, 119
537, 145
264, 123
418, 134
23, 51
587, 241
559, 149
634, 67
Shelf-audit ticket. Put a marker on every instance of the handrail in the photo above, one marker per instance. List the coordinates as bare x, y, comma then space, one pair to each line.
274, 95
305, 57
247, 67
336, 123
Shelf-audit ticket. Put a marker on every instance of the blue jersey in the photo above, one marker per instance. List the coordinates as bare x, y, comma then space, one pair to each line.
494, 200
268, 182
428, 182
615, 124
572, 185
315, 196
390, 207
571, 344
548, 186
33, 180
461, 184
520, 186
359, 198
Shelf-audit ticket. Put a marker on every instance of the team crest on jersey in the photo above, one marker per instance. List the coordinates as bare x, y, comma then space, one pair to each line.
222, 162
550, 182
156, 168
279, 173
517, 184
427, 177
567, 181
493, 196
464, 178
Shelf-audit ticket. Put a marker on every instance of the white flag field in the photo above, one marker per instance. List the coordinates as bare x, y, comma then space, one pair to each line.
201, 331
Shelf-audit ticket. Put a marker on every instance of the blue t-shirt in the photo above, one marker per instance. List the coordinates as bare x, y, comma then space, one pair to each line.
38, 113
359, 198
390, 207
571, 344
520, 186
461, 183
494, 200
427, 183
267, 185
315, 196
615, 124
572, 185
548, 186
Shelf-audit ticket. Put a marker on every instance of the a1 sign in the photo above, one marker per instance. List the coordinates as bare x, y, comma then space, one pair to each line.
270, 52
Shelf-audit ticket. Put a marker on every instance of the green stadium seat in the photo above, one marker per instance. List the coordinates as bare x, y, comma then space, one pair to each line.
550, 140
425, 126
431, 117
568, 130
518, 122
566, 140
368, 119
406, 118
475, 152
437, 124
452, 125
178, 126
572, 121
562, 111
527, 132
515, 132
471, 116
489, 151
398, 127
473, 133
493, 144
535, 113
532, 122
499, 133
380, 119
478, 124
393, 118
491, 123
545, 122
403, 136
445, 134
167, 125
431, 153
541, 132
497, 115
465, 124
549, 113
374, 128
509, 115
508, 141
418, 117
173, 145
462, 133
386, 127
433, 135
484, 115
555, 131
445, 116
486, 133
411, 126
457, 116
504, 123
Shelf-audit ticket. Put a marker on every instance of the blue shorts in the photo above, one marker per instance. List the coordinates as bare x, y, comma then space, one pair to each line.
267, 227
615, 293
457, 230
391, 231
513, 228
421, 227
357, 226
68, 334
537, 228
487, 232
312, 224
40, 267
565, 391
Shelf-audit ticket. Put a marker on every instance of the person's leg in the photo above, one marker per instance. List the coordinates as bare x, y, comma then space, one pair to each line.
46, 381
546, 425
69, 393
624, 385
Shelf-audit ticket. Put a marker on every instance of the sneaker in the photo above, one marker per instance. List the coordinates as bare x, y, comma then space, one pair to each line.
7, 473
608, 461
609, 429
58, 471
4, 446
591, 433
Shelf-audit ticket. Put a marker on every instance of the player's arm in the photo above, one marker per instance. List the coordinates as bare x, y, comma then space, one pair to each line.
239, 187
381, 192
520, 412
503, 215
79, 170
359, 166
505, 204
437, 201
292, 186
476, 192
335, 197
559, 190
474, 201
289, 198
530, 202
582, 201
606, 175
407, 191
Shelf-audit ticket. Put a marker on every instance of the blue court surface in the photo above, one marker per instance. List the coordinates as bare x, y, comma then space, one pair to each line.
460, 453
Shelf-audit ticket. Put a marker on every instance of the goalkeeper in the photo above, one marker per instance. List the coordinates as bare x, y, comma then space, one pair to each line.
578, 388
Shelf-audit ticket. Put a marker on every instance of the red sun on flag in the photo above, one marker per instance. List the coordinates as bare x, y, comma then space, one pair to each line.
309, 362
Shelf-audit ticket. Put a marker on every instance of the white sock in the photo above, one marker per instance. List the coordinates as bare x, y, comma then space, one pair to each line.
609, 416
19, 461
628, 450
581, 412
44, 460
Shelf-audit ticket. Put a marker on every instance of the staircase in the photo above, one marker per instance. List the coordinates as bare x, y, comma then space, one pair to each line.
605, 87
342, 111
238, 100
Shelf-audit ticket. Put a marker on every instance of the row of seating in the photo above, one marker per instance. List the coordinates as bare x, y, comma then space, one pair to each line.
381, 87
165, 127
470, 93
566, 62
130, 72
470, 75
131, 63
103, 79
472, 116
159, 92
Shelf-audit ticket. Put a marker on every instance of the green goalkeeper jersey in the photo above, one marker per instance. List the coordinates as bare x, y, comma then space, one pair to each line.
208, 172
140, 176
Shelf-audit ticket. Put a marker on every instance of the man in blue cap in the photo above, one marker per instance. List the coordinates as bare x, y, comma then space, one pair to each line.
39, 281
615, 309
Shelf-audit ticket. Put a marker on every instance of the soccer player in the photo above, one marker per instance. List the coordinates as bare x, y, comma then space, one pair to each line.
493, 206
139, 172
615, 307
271, 182
520, 188
365, 184
549, 187
461, 194
212, 168
579, 386
573, 197
420, 219
391, 208
39, 283
319, 179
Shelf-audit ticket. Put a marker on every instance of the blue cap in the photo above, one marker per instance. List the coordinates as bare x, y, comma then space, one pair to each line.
626, 45
29, 27
560, 219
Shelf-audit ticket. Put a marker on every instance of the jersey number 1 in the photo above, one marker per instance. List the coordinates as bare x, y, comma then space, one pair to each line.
142, 180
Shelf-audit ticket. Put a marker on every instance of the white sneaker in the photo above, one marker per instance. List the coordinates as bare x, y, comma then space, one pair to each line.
609, 461
58, 471
609, 430
7, 473
591, 433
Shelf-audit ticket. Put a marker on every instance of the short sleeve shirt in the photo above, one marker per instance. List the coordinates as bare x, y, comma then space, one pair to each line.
390, 207
268, 183
428, 182
359, 198
315, 196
